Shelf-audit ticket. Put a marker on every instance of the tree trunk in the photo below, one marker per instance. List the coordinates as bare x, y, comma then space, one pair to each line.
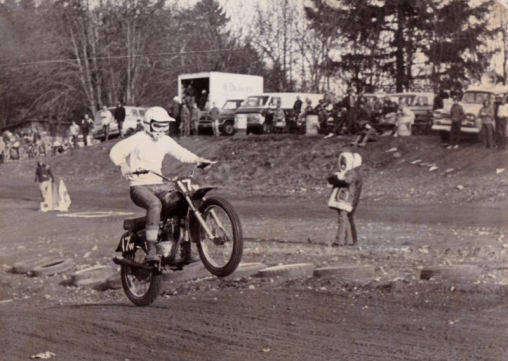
399, 53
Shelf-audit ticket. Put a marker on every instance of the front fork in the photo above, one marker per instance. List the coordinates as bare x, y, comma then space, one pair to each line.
198, 214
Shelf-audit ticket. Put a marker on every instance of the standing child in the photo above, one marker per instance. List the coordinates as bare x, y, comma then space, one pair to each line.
347, 185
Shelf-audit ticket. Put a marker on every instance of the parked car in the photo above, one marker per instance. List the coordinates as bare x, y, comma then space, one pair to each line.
226, 118
133, 115
472, 101
256, 112
420, 103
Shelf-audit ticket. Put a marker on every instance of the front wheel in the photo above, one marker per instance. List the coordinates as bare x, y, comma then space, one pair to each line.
140, 286
222, 252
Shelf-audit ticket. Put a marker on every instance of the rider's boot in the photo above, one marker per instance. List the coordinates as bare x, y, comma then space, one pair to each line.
151, 241
151, 252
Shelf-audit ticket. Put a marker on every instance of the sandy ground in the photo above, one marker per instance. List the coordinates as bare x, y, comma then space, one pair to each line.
394, 316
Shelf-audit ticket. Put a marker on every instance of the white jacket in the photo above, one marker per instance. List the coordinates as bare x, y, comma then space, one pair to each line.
141, 152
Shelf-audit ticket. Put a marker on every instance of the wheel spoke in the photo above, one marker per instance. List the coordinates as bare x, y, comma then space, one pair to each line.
219, 249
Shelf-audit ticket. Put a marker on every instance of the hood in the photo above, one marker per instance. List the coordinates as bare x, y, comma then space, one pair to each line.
348, 159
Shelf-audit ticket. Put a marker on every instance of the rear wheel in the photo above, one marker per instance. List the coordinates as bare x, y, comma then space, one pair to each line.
141, 286
221, 253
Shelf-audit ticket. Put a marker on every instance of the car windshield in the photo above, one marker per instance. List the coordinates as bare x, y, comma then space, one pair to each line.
231, 105
475, 97
255, 101
406, 100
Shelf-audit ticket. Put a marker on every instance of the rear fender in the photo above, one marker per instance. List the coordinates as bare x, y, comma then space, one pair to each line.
129, 242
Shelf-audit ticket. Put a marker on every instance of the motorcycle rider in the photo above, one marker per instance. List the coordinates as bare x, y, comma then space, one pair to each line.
145, 151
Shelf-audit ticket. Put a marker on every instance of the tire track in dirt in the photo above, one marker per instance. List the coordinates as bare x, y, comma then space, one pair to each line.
272, 324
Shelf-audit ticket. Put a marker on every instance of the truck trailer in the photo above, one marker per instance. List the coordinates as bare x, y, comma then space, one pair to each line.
217, 87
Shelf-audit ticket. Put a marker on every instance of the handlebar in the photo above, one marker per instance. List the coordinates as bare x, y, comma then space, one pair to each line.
200, 165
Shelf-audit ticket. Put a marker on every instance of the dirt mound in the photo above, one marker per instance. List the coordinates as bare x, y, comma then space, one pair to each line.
416, 169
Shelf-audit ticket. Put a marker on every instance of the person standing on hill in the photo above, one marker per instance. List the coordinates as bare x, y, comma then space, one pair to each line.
297, 107
119, 114
175, 112
2, 149
502, 115
86, 125
486, 116
194, 118
214, 115
74, 133
349, 103
106, 118
44, 177
186, 119
457, 114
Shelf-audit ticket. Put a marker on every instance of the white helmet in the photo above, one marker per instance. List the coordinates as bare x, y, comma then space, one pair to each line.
157, 121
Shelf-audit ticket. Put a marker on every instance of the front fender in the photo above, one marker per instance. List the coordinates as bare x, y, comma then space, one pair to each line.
200, 193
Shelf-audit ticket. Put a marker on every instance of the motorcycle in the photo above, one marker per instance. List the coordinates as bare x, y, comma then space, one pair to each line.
209, 222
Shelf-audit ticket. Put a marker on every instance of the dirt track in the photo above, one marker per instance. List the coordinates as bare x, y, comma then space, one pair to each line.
280, 324
302, 320
397, 317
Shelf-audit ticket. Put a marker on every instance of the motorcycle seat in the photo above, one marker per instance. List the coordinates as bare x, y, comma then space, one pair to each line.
134, 224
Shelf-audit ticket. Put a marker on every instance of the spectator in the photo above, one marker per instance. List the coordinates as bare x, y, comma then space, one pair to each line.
2, 150
486, 116
214, 115
457, 115
139, 126
175, 113
106, 118
86, 125
194, 118
203, 99
279, 118
119, 114
186, 121
74, 133
297, 107
347, 183
311, 119
501, 116
349, 103
14, 145
405, 119
368, 132
44, 177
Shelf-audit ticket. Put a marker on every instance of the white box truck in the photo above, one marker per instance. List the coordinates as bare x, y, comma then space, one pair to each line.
217, 87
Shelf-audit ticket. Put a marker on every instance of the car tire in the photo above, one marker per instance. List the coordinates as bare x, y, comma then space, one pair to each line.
228, 129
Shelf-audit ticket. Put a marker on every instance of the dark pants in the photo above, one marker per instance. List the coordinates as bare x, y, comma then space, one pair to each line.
501, 133
354, 235
120, 126
351, 120
106, 132
455, 133
85, 138
487, 134
75, 141
150, 198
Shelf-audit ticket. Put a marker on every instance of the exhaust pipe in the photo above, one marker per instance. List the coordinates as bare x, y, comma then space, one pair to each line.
127, 262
